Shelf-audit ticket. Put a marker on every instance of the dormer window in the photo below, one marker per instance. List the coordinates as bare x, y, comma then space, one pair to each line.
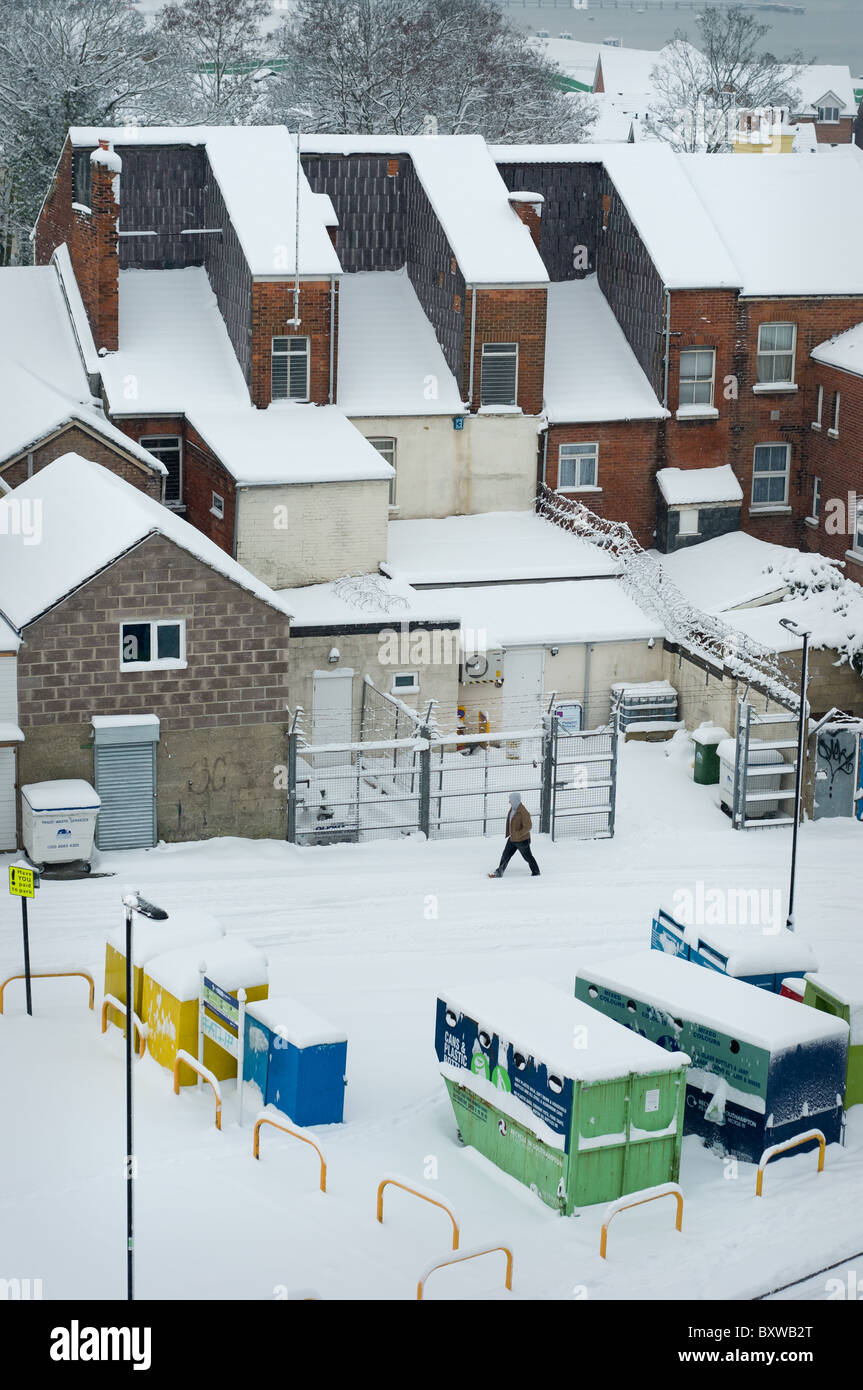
828, 115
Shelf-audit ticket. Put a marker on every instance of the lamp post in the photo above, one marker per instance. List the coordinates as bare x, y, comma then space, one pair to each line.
801, 741
300, 112
132, 902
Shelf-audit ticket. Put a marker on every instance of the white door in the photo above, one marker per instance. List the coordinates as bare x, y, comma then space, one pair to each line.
332, 694
523, 669
8, 837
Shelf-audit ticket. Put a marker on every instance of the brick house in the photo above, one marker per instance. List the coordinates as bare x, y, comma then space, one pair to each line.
835, 513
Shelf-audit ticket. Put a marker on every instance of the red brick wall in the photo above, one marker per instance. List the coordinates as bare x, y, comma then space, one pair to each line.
75, 440
506, 316
831, 134
203, 475
837, 462
58, 223
706, 319
626, 470
272, 305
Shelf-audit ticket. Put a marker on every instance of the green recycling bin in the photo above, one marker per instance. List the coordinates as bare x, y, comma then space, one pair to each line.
707, 740
843, 997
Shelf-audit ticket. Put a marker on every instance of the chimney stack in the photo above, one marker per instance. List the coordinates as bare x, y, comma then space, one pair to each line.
528, 208
106, 167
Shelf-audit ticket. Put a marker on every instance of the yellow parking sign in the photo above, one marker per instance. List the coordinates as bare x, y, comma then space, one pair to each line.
22, 882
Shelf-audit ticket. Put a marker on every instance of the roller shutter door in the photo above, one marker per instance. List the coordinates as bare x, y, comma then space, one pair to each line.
126, 783
8, 830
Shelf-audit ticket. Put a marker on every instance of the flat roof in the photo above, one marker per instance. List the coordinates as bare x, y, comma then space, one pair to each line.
489, 547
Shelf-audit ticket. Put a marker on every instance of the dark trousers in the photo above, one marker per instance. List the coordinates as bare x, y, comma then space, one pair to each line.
523, 848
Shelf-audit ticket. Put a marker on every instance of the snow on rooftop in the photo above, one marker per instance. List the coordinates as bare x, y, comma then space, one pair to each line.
43, 384
727, 572
390, 361
9, 639
626, 70
681, 486
591, 372
844, 351
175, 352
818, 80
559, 612
770, 214
490, 243
89, 517
361, 599
489, 547
705, 996
255, 168
289, 442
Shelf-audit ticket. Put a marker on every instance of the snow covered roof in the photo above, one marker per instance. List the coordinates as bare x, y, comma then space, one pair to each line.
289, 443
43, 385
591, 372
687, 486
514, 615
487, 548
255, 168
175, 352
491, 244
844, 351
770, 213
388, 351
363, 599
575, 58
819, 80
89, 517
730, 571
9, 639
627, 70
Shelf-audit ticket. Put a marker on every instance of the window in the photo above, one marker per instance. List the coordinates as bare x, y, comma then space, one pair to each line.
153, 646
776, 353
816, 498
819, 406
289, 371
687, 521
83, 180
828, 115
168, 449
696, 376
499, 374
770, 475
218, 506
577, 465
387, 450
857, 542
834, 428
405, 681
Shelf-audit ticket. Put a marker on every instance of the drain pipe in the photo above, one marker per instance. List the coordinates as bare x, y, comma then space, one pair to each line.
332, 334
667, 345
472, 289
545, 458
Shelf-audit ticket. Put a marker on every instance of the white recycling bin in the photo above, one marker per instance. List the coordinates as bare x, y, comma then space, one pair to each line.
58, 821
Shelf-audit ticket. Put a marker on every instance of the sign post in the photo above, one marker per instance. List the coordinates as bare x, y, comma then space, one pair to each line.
221, 1017
23, 883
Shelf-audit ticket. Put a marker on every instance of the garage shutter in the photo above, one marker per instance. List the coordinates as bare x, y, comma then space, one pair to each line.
8, 835
126, 783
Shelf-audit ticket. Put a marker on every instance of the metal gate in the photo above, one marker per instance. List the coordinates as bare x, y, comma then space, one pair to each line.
584, 782
126, 784
759, 796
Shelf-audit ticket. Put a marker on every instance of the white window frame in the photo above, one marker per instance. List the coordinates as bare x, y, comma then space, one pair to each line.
819, 409
815, 514
386, 447
857, 533
580, 454
170, 663
405, 689
695, 381
688, 512
824, 119
776, 383
514, 355
834, 428
217, 507
157, 444
287, 355
773, 503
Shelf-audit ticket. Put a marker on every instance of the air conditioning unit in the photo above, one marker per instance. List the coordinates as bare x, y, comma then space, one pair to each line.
481, 668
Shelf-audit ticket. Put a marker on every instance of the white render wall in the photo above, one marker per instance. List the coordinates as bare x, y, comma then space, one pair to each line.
489, 466
311, 533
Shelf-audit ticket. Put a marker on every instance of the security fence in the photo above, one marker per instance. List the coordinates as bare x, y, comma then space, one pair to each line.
453, 785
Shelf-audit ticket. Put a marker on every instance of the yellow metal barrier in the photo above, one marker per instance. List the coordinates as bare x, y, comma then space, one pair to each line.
50, 975
256, 1143
109, 1002
470, 1255
678, 1223
185, 1059
396, 1182
783, 1148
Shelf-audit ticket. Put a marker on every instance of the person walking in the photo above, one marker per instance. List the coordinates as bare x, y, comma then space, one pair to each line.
518, 827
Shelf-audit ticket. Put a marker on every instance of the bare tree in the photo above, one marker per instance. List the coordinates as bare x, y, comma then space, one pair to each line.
215, 47
381, 66
700, 92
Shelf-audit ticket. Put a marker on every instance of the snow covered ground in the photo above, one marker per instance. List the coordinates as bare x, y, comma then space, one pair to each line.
364, 934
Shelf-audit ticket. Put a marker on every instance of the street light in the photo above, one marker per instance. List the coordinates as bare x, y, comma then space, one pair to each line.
132, 902
798, 780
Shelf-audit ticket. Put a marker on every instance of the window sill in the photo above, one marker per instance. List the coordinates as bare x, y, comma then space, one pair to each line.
153, 666
811, 521
765, 388
393, 511
855, 555
82, 207
769, 510
696, 412
832, 434
567, 491
220, 516
175, 506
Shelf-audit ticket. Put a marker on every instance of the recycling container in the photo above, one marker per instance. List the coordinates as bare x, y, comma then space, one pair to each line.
842, 996
762, 1071
184, 928
746, 952
706, 766
58, 821
576, 1107
795, 988
756, 786
297, 1060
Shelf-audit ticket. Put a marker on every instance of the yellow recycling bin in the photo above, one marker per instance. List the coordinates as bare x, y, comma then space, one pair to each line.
149, 939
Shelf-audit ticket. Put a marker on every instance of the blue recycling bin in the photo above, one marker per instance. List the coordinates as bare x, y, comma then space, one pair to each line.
297, 1060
